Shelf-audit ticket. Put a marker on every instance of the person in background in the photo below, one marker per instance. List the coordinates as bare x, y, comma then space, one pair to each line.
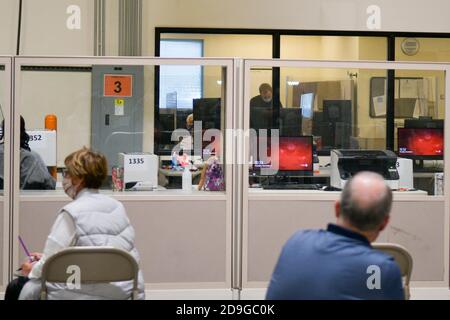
262, 106
190, 123
91, 219
264, 99
336, 263
34, 175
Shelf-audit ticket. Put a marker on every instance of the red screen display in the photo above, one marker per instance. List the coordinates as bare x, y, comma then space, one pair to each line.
295, 154
420, 142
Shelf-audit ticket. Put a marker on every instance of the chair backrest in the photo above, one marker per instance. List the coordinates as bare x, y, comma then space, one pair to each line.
403, 259
96, 265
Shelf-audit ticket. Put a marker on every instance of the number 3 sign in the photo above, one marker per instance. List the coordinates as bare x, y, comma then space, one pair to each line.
115, 85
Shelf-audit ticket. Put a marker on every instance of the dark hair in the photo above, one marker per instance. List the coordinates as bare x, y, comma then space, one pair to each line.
370, 216
24, 137
89, 166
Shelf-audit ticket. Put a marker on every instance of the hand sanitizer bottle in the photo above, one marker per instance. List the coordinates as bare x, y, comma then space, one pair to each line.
187, 179
174, 160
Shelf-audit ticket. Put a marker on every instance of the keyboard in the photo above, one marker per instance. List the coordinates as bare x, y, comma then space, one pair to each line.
292, 187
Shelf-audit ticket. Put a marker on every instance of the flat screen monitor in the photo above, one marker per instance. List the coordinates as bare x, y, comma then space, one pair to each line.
182, 115
307, 105
337, 118
421, 143
167, 121
260, 118
424, 122
290, 122
207, 110
295, 157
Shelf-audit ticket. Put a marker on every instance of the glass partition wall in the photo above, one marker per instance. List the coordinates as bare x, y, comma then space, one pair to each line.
108, 105
5, 105
328, 123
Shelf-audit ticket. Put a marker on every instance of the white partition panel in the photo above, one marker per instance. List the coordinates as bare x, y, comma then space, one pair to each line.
184, 238
419, 222
5, 103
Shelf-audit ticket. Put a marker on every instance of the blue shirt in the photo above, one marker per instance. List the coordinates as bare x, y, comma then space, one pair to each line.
333, 264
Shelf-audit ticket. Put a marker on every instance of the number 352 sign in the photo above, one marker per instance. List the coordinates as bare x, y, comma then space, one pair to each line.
117, 85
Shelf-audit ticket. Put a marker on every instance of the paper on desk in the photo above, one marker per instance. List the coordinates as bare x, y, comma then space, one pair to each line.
379, 105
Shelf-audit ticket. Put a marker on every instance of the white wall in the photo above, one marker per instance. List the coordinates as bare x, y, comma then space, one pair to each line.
399, 15
8, 26
44, 30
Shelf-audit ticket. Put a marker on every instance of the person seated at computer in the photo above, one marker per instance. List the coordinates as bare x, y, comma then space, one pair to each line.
91, 219
334, 263
34, 175
262, 108
265, 97
190, 123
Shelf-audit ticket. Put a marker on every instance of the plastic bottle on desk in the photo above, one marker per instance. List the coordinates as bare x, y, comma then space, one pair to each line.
174, 161
187, 179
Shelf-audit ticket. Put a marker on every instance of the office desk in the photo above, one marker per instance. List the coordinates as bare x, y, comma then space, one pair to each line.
261, 191
178, 173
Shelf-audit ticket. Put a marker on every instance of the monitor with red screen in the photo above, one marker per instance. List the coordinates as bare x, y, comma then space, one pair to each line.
295, 156
421, 143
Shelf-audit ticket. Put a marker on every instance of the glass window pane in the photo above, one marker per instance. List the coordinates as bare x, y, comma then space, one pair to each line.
333, 48
118, 119
178, 85
3, 103
422, 49
228, 45
344, 109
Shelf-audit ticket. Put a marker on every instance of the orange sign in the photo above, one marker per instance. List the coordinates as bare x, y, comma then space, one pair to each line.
118, 85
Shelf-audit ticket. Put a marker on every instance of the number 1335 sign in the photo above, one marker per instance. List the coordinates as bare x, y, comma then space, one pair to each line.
115, 85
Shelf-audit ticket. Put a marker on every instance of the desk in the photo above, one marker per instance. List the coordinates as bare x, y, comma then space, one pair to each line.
178, 173
321, 192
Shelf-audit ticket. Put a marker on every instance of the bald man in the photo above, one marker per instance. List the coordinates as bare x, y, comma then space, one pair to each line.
339, 263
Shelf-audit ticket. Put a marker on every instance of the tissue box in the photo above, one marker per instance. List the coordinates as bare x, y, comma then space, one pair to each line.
139, 167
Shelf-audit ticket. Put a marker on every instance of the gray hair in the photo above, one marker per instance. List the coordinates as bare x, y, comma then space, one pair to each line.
366, 209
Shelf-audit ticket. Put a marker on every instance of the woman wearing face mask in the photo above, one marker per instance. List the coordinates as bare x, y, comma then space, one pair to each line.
91, 219
34, 174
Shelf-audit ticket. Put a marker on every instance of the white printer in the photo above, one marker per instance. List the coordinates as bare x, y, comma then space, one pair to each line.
346, 163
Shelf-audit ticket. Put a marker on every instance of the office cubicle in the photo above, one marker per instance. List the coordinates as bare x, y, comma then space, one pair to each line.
420, 218
5, 103
183, 237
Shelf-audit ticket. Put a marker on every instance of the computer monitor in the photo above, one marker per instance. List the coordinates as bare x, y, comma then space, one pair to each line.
182, 114
290, 122
421, 143
307, 105
295, 157
207, 110
260, 118
166, 121
424, 122
337, 115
